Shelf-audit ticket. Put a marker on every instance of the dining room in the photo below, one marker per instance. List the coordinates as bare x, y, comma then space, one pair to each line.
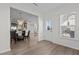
23, 29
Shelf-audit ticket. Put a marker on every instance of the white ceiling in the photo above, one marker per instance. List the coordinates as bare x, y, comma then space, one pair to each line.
41, 7
45, 7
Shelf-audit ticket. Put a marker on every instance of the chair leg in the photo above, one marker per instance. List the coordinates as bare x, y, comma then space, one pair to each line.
24, 38
28, 38
15, 41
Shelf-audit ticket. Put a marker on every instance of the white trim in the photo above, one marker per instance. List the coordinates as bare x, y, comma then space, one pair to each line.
73, 47
59, 43
6, 50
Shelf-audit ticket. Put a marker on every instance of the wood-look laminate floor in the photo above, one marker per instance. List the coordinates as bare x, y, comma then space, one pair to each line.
33, 47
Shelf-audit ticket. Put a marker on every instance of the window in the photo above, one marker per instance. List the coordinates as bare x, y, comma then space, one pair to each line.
67, 25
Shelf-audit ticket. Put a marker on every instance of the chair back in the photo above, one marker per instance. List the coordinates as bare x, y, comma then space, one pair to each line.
28, 34
23, 33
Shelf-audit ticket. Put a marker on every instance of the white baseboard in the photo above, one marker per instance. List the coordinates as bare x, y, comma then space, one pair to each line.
40, 38
73, 47
5, 50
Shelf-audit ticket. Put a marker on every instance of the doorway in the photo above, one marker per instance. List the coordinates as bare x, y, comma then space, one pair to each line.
23, 29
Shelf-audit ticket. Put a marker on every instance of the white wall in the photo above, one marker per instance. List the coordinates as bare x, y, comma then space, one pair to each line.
54, 15
5, 22
40, 29
4, 28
